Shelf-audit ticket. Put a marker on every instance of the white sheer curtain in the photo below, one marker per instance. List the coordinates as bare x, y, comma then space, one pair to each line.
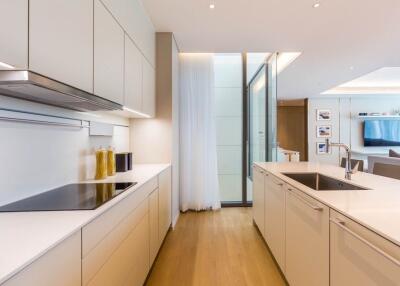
198, 148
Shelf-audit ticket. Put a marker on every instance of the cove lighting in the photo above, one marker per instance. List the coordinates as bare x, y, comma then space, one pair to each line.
136, 112
382, 81
285, 59
7, 66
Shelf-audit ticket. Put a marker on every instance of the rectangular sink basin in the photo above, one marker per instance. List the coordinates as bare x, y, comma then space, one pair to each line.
319, 182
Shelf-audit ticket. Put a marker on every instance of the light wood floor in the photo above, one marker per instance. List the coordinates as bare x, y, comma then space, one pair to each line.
215, 248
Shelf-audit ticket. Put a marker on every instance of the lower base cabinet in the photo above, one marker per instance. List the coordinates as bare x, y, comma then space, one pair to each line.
360, 256
60, 266
307, 240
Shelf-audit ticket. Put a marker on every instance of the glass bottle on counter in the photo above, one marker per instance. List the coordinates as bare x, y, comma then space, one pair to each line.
101, 164
110, 161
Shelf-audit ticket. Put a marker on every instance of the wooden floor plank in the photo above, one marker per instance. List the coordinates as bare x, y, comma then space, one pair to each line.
215, 248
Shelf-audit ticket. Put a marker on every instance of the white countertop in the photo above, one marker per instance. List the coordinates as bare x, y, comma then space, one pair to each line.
25, 236
377, 209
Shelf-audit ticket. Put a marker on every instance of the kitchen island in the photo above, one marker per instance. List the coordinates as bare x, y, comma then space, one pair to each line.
333, 237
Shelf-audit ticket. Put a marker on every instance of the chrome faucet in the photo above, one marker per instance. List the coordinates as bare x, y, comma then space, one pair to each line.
348, 168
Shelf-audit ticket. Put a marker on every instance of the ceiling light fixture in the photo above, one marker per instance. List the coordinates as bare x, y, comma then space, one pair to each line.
212, 5
316, 5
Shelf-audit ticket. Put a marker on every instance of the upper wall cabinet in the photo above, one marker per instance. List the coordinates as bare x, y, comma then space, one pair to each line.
61, 40
108, 55
14, 33
149, 89
133, 76
133, 18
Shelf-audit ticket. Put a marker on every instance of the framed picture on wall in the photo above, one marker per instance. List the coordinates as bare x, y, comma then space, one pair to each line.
324, 114
321, 148
324, 131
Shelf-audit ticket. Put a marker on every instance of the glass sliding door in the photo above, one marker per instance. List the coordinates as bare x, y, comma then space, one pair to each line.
262, 120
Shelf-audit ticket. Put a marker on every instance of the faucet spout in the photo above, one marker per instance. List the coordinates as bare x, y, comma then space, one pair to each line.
348, 170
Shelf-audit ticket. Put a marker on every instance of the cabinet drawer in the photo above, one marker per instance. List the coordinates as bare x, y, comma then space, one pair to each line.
95, 231
359, 256
99, 255
60, 266
129, 263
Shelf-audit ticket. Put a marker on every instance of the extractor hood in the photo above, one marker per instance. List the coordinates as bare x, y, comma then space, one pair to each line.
35, 87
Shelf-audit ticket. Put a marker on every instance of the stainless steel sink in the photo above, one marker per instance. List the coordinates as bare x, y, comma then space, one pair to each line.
321, 182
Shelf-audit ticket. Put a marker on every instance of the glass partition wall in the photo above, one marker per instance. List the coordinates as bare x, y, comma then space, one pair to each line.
245, 91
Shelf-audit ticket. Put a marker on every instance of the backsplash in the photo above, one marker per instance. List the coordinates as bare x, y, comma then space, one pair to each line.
35, 158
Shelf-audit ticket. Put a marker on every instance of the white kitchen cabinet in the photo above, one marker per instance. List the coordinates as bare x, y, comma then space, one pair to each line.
359, 256
153, 221
133, 76
149, 89
307, 240
133, 18
258, 199
61, 40
14, 33
108, 55
164, 203
60, 266
275, 218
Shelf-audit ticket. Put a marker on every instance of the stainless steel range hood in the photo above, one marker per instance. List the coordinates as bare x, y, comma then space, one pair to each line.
35, 87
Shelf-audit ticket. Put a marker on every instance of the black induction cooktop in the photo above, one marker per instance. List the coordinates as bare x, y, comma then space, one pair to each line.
70, 197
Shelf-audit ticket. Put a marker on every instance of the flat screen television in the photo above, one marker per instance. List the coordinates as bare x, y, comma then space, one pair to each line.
381, 133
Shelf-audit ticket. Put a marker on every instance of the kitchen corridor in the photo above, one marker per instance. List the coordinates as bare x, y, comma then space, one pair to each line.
215, 248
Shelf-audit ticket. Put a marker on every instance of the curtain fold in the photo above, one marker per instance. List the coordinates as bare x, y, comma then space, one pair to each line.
199, 188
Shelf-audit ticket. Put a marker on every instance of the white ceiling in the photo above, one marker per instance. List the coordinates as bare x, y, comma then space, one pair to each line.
363, 34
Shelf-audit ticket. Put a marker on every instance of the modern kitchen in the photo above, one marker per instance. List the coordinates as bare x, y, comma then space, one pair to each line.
149, 142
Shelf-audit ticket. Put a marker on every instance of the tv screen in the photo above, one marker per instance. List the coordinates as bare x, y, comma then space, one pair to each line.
382, 133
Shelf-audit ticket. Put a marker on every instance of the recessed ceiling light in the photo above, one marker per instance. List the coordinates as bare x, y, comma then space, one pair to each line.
212, 6
316, 5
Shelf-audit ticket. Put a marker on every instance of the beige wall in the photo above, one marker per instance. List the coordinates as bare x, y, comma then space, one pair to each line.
156, 140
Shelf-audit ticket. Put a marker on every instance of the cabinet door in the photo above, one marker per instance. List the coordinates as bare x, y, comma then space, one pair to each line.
133, 18
153, 219
164, 202
108, 55
149, 89
60, 266
275, 218
61, 41
133, 76
360, 256
307, 240
14, 44
258, 199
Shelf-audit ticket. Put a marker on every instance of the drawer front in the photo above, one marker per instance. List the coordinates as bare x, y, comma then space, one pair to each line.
95, 231
129, 264
98, 256
59, 266
360, 256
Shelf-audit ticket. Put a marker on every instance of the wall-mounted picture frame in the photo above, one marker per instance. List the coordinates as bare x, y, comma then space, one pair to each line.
324, 114
321, 148
324, 131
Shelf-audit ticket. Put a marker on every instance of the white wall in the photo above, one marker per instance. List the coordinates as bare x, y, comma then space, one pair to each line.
346, 126
35, 158
228, 92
